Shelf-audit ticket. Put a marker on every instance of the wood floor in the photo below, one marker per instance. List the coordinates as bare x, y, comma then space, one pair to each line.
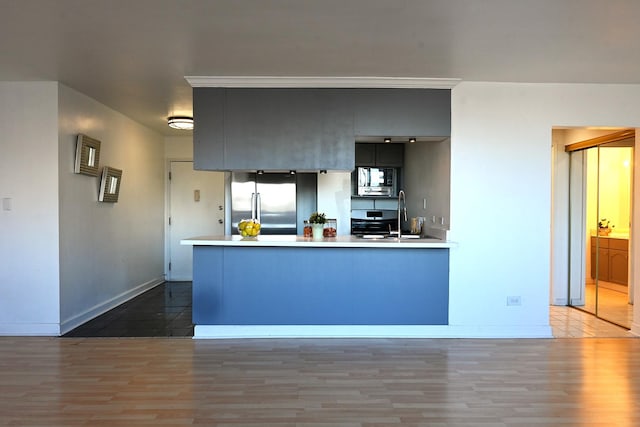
314, 383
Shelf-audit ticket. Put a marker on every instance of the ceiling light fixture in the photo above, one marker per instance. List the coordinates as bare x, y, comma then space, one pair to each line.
412, 140
180, 122
387, 140
323, 172
292, 172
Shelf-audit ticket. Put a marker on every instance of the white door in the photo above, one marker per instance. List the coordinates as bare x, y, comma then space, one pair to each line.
196, 208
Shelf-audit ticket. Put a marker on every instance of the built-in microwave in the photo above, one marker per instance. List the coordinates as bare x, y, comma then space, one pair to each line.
373, 181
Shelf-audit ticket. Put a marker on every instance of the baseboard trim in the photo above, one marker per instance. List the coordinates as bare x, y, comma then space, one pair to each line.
98, 309
368, 331
29, 329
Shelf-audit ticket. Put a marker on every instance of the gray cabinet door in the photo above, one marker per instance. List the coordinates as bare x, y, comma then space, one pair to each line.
402, 112
388, 155
208, 130
281, 129
391, 155
365, 154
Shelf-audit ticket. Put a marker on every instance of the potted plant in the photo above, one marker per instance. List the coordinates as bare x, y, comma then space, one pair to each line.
317, 221
604, 228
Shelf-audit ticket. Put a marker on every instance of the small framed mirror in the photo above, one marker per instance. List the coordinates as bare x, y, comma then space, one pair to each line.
87, 155
110, 184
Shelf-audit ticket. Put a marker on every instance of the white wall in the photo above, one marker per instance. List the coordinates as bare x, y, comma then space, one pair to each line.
178, 147
334, 198
501, 190
109, 252
29, 275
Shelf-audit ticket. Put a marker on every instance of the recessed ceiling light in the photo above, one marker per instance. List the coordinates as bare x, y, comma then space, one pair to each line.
180, 122
412, 140
387, 140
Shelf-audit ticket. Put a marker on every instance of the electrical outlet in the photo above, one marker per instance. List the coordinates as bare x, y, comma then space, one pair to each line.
514, 300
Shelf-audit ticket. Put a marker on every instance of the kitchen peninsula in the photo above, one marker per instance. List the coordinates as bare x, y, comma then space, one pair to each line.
291, 286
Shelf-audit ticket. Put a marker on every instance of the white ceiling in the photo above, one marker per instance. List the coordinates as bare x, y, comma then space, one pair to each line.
132, 55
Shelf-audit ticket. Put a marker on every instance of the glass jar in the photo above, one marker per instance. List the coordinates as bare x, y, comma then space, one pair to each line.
331, 228
307, 230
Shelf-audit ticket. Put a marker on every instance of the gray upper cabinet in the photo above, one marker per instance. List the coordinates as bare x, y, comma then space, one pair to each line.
365, 154
208, 130
402, 112
307, 129
388, 155
391, 155
282, 129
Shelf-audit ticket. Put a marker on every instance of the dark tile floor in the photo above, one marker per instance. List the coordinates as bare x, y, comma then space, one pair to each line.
164, 311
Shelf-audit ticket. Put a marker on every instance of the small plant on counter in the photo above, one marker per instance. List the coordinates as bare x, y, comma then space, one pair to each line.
604, 224
317, 218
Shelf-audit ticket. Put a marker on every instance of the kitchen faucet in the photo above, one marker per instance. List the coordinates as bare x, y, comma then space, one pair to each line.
402, 206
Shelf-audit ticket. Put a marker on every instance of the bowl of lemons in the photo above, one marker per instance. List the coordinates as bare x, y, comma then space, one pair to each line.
249, 228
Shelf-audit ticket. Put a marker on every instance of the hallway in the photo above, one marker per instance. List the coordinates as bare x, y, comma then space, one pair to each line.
164, 311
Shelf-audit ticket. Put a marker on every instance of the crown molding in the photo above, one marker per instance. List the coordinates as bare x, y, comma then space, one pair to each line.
320, 82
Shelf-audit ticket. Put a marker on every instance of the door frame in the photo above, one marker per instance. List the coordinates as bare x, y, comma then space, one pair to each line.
167, 210
559, 277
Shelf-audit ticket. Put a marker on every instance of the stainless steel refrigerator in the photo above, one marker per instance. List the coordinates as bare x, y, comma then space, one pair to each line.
269, 197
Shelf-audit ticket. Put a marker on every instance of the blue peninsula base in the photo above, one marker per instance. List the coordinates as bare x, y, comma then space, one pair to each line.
294, 286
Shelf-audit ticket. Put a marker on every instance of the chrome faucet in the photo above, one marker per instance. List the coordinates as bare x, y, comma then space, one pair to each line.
402, 207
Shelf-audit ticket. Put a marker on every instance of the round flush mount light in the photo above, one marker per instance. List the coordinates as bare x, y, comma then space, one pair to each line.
412, 140
180, 122
387, 140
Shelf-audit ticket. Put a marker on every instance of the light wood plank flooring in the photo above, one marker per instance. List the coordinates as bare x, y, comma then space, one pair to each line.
314, 383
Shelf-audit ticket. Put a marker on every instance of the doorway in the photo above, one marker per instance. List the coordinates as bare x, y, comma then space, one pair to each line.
196, 208
601, 172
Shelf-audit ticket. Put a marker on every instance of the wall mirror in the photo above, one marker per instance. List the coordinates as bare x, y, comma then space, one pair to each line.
87, 155
110, 184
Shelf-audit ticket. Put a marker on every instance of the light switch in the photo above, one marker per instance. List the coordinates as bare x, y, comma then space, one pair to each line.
6, 204
196, 195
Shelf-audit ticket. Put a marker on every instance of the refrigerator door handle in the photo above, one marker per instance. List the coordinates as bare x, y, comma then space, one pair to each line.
258, 206
253, 205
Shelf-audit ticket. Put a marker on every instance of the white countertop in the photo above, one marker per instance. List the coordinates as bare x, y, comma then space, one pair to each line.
612, 235
328, 242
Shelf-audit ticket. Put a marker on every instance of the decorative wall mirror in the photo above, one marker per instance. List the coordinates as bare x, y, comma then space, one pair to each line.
110, 184
87, 155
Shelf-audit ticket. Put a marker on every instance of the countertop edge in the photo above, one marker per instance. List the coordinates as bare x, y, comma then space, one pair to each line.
299, 241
